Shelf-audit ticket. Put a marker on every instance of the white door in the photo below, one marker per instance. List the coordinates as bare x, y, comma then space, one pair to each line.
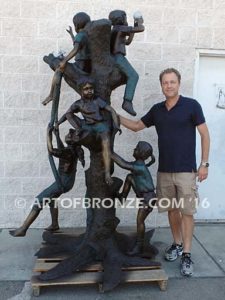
210, 92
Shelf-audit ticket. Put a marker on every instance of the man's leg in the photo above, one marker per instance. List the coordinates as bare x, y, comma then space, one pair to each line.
187, 232
186, 267
187, 190
175, 220
166, 193
176, 249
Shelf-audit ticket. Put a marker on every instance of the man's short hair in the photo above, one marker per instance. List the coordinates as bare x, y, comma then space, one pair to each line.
168, 71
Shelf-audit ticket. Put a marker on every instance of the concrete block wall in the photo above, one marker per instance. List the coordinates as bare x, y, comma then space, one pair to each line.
30, 29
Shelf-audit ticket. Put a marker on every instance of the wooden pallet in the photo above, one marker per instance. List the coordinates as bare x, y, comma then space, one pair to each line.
94, 273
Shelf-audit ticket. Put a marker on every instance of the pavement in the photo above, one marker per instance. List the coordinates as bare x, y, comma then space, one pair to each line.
208, 253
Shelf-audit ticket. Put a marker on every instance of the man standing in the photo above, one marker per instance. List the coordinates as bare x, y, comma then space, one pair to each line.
175, 120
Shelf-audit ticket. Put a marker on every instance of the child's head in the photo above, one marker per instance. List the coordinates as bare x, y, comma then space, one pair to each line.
80, 20
82, 81
143, 150
86, 87
70, 136
118, 17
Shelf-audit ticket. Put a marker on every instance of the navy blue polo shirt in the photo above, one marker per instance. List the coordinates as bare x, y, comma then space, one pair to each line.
176, 131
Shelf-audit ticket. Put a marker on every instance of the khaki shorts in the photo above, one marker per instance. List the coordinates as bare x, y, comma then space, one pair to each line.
177, 191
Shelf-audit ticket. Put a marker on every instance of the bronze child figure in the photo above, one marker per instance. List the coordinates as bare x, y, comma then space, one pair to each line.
68, 157
81, 51
141, 181
121, 36
91, 108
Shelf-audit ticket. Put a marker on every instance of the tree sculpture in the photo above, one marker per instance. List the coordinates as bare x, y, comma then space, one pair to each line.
101, 240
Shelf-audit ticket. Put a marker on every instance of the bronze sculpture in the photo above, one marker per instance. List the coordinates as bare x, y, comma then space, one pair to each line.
121, 36
93, 122
81, 51
101, 240
68, 157
141, 181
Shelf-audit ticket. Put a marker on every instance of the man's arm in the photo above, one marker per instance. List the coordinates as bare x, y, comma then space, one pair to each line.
205, 143
132, 124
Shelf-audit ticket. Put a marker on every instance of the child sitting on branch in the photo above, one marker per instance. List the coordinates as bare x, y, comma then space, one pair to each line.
91, 108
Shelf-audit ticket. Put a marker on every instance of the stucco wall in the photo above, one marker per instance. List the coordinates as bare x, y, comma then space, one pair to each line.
29, 29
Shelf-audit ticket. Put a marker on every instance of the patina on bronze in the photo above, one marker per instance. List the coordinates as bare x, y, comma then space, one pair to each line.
140, 180
101, 240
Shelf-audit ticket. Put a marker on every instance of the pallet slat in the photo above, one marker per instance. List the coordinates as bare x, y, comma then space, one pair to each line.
96, 277
44, 266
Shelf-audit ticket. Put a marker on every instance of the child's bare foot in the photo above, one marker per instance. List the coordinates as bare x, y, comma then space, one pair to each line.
18, 232
47, 100
52, 228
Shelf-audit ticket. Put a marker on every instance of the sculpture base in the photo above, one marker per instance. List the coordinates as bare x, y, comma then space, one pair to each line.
93, 273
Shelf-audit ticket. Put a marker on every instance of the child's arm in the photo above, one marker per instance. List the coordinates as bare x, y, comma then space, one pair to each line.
80, 154
60, 144
70, 31
57, 152
51, 150
151, 161
114, 117
130, 29
61, 120
72, 53
49, 139
121, 162
129, 39
138, 22
139, 28
69, 115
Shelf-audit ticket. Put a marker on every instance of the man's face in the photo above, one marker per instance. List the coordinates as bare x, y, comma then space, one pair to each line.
88, 91
170, 85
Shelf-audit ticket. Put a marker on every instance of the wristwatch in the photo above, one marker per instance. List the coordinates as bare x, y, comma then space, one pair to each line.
205, 164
